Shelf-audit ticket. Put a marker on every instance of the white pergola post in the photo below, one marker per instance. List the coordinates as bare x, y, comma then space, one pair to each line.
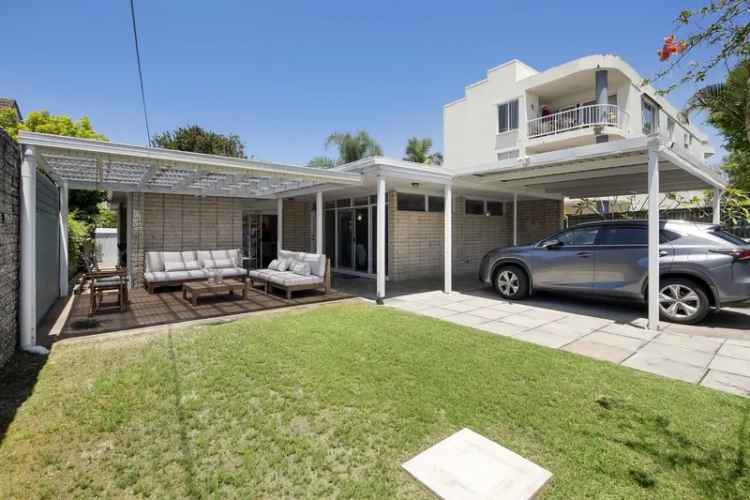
319, 222
515, 219
27, 300
653, 235
279, 225
448, 239
380, 239
64, 240
717, 206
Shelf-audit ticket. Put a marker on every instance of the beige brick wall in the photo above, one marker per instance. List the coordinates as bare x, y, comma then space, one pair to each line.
416, 238
297, 225
537, 219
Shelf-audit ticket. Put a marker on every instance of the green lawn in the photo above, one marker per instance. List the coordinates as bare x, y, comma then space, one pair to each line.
330, 402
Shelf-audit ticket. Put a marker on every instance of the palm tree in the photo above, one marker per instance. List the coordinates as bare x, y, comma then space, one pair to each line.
727, 105
353, 147
418, 151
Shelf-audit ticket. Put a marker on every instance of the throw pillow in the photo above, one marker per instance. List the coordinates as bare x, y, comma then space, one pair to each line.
173, 266
284, 264
301, 268
274, 265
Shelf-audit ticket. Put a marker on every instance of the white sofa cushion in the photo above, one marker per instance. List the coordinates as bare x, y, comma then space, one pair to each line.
291, 279
316, 261
219, 264
192, 265
301, 268
284, 264
170, 266
171, 257
153, 262
202, 256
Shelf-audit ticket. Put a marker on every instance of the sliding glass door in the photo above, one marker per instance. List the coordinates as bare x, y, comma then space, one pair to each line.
350, 234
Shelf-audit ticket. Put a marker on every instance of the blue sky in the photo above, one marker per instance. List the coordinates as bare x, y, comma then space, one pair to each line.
284, 74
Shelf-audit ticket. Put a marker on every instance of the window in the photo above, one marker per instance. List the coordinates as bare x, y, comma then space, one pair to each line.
330, 204
578, 237
435, 204
650, 115
474, 207
623, 236
360, 201
494, 208
734, 240
346, 202
507, 116
411, 202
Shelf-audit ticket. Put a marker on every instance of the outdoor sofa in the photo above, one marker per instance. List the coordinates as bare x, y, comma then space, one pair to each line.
294, 271
174, 268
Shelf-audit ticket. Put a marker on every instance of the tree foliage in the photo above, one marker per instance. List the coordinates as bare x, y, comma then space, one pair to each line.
199, 140
719, 29
418, 151
728, 106
353, 147
321, 162
44, 122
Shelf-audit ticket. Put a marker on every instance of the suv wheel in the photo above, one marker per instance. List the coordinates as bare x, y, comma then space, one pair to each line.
682, 301
511, 283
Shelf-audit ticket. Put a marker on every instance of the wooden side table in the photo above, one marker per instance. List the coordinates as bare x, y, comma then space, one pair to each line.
196, 289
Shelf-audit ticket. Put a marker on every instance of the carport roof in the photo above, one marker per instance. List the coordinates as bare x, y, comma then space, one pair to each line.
91, 164
607, 169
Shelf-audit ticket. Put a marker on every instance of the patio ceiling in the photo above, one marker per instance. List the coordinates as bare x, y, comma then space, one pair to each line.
608, 169
90, 164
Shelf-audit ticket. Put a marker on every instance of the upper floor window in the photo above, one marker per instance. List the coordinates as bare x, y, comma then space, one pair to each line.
507, 116
650, 116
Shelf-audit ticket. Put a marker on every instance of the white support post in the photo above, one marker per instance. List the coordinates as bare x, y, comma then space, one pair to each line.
653, 236
64, 240
380, 238
319, 222
515, 219
279, 225
27, 300
448, 239
717, 206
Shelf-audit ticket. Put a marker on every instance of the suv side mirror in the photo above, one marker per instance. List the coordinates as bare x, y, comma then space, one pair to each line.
551, 244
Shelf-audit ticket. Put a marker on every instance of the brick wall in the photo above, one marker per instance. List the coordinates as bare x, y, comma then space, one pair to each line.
10, 167
537, 219
296, 225
416, 238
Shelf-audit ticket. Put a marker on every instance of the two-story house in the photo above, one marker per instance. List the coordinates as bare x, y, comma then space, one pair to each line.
516, 145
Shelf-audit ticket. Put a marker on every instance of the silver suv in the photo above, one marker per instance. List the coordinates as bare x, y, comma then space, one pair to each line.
700, 266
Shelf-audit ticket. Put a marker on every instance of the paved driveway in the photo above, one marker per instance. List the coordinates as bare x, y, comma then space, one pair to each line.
714, 354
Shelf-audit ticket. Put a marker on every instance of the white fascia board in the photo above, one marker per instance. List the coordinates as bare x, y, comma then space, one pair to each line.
75, 144
399, 169
308, 190
133, 188
483, 186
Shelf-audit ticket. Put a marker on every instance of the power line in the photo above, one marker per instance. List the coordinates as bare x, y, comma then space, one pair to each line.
140, 72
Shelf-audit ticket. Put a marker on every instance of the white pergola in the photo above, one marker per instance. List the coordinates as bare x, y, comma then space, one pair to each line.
639, 165
74, 163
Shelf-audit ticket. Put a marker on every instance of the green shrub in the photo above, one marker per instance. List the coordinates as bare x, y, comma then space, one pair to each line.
78, 233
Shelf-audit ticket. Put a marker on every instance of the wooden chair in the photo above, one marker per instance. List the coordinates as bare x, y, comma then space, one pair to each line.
103, 281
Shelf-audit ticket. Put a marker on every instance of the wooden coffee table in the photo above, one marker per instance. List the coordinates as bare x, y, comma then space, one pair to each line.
198, 289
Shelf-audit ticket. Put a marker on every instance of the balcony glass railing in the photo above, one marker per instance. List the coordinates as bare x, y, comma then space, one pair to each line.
593, 115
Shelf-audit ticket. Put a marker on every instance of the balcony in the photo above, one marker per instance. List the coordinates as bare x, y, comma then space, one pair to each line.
595, 115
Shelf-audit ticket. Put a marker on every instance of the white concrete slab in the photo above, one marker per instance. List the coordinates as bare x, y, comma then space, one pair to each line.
467, 465
735, 351
731, 365
660, 365
727, 382
597, 350
694, 342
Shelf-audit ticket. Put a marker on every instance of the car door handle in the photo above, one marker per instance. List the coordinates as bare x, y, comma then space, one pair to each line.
663, 253
584, 255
